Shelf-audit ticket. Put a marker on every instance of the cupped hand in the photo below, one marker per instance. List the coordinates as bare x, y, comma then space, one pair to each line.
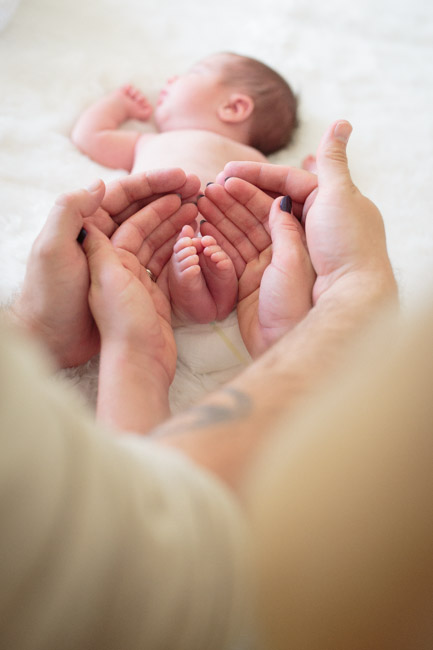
268, 247
53, 303
129, 308
344, 230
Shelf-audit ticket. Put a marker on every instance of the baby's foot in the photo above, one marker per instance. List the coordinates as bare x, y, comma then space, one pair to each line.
220, 275
139, 107
309, 163
202, 280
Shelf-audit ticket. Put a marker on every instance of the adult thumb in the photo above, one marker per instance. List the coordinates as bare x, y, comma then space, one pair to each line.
99, 251
331, 159
66, 216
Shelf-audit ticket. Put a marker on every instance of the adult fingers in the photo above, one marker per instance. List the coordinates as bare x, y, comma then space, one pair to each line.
169, 228
238, 261
332, 165
149, 231
246, 205
155, 259
231, 232
287, 234
297, 183
100, 253
190, 188
66, 217
257, 201
131, 234
125, 194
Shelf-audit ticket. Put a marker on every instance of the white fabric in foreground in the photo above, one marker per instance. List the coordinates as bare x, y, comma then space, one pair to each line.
106, 542
7, 10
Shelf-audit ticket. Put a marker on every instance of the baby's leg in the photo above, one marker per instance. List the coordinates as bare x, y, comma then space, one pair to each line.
220, 276
190, 297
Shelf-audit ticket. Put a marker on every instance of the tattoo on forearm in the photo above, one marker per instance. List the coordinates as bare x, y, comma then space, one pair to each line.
237, 406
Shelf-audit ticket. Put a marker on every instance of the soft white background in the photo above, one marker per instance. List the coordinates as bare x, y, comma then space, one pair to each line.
370, 62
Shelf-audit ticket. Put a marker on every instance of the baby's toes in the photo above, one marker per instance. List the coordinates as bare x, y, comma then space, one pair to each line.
221, 261
215, 252
182, 244
186, 265
217, 257
208, 240
185, 255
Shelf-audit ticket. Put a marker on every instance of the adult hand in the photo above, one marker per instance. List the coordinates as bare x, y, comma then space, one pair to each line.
138, 351
275, 281
53, 304
344, 229
344, 232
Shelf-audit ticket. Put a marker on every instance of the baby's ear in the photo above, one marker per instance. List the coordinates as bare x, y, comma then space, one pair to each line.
236, 108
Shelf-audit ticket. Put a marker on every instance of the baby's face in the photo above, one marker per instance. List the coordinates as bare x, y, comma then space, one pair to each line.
190, 100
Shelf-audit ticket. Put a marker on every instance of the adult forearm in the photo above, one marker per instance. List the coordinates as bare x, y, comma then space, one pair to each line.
226, 430
131, 395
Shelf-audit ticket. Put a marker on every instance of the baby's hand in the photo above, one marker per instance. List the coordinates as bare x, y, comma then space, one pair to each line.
139, 108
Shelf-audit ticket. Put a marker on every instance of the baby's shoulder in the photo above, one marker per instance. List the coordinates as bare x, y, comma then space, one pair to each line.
246, 152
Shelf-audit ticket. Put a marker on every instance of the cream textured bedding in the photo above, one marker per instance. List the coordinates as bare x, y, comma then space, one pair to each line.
369, 62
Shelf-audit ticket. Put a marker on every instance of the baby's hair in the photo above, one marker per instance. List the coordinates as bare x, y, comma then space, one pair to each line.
274, 119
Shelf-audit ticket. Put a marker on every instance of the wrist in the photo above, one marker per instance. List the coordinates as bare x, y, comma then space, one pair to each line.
65, 349
21, 318
367, 290
133, 388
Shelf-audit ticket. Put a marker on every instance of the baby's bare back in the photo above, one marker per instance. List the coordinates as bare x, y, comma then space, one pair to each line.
200, 152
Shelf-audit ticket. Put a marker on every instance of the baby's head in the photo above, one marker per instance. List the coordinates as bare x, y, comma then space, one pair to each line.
232, 95
274, 117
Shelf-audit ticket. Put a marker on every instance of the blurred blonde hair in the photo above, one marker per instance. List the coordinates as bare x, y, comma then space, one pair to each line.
342, 506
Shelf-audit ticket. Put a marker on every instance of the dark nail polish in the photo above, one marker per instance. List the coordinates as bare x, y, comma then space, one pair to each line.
202, 221
286, 204
81, 235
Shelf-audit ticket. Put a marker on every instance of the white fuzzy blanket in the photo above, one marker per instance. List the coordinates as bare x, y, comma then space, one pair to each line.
370, 62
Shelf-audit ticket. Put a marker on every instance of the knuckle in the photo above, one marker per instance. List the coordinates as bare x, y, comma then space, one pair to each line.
67, 200
44, 248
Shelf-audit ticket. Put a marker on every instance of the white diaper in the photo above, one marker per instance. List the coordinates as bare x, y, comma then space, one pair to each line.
208, 356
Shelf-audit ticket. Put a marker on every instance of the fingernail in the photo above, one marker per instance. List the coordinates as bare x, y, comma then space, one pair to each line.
200, 196
228, 178
202, 221
210, 183
342, 131
94, 186
286, 204
82, 235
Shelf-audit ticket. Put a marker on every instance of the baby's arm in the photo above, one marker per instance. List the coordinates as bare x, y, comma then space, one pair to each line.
97, 132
